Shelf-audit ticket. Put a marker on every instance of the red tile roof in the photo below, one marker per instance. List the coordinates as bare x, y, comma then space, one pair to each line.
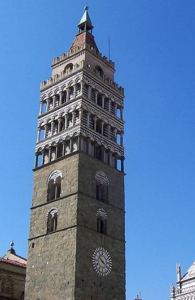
13, 262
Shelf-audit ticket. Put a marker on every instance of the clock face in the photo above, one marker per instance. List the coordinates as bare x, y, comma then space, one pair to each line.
102, 261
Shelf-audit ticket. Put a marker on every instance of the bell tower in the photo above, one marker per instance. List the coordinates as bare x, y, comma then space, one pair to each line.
76, 241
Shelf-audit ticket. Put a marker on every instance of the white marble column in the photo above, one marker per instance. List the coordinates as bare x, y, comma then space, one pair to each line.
82, 84
121, 113
121, 139
80, 114
38, 134
41, 107
52, 127
67, 95
47, 101
115, 135
102, 128
36, 160
49, 153
70, 145
115, 109
88, 118
74, 91
95, 122
89, 92
45, 133
109, 131
54, 101
43, 157
59, 124
103, 100
56, 151
109, 105
66, 121
96, 96
61, 95
63, 148
73, 117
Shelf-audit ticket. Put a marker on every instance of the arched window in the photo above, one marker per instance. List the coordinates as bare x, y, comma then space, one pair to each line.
54, 185
99, 71
102, 221
68, 68
102, 184
52, 220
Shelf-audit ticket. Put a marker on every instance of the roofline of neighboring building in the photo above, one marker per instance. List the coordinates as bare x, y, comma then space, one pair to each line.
12, 262
184, 280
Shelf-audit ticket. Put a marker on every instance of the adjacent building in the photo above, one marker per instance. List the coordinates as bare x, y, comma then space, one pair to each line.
77, 230
185, 289
12, 276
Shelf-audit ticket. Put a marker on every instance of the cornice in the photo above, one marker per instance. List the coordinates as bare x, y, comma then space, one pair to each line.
89, 78
88, 106
75, 131
101, 85
61, 112
102, 140
102, 114
59, 137
62, 84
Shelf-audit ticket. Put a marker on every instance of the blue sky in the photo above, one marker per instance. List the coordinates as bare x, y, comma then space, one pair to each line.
152, 44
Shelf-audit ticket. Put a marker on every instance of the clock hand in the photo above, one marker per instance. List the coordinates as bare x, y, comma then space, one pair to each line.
102, 261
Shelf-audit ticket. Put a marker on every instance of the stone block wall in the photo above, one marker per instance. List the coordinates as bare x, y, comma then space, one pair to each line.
90, 285
60, 263
51, 267
69, 169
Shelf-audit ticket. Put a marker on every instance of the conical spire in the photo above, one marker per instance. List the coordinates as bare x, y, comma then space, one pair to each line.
84, 38
85, 23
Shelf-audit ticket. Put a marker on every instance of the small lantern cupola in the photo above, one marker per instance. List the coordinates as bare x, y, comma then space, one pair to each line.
85, 23
84, 37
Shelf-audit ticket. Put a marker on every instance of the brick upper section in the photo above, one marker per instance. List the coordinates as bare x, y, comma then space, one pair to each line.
84, 38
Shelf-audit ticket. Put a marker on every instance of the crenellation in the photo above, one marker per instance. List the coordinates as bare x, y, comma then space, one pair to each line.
58, 77
85, 46
64, 75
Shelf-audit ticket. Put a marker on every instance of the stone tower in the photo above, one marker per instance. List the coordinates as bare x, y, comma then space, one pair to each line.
76, 242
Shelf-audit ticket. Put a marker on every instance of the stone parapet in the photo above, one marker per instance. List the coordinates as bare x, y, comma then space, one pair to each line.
85, 46
83, 65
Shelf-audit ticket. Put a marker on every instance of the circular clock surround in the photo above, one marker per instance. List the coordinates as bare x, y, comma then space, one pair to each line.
102, 261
